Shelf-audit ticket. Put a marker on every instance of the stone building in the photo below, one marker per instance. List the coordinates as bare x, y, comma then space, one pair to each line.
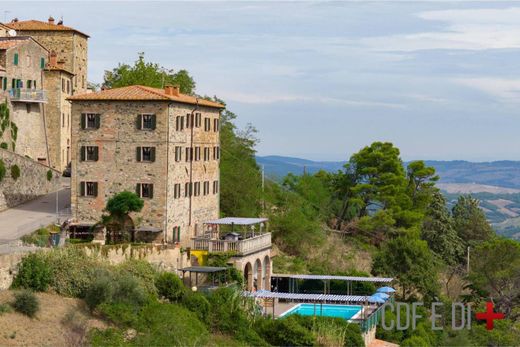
65, 75
58, 86
159, 143
70, 45
23, 60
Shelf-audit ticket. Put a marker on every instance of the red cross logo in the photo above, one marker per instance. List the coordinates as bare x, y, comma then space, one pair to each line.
489, 316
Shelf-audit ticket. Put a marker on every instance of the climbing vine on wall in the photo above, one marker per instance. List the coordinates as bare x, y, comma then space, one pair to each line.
5, 123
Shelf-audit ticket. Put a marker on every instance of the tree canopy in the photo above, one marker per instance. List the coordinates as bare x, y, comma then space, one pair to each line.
148, 74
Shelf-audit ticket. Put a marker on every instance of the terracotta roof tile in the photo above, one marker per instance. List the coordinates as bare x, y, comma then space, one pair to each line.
40, 26
142, 93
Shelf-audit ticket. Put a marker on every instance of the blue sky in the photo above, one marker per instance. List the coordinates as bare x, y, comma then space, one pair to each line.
320, 80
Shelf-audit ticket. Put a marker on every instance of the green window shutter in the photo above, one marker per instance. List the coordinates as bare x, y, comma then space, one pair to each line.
96, 153
42, 63
5, 83
34, 84
179, 234
29, 84
82, 188
83, 120
138, 153
151, 191
83, 151
15, 62
96, 189
154, 121
13, 83
98, 121
138, 189
153, 154
139, 122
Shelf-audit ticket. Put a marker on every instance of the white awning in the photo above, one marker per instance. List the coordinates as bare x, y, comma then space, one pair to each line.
331, 277
237, 221
264, 294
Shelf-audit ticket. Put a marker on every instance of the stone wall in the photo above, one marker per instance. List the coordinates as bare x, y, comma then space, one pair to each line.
72, 50
58, 117
31, 184
165, 258
117, 169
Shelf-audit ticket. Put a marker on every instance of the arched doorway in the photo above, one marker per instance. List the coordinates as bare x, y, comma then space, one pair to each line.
248, 277
258, 275
267, 272
120, 230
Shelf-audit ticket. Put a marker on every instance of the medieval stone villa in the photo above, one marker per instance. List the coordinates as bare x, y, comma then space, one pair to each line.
159, 143
41, 64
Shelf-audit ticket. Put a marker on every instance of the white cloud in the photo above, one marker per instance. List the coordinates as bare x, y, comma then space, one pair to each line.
466, 29
247, 98
504, 89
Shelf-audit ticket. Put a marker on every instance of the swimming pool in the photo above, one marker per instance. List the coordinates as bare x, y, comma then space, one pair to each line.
326, 310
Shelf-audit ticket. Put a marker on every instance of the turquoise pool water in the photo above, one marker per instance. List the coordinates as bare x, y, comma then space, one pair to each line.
341, 311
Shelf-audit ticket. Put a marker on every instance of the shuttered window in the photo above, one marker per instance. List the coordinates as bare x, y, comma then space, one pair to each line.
144, 190
89, 153
42, 63
89, 189
145, 154
15, 60
90, 121
146, 121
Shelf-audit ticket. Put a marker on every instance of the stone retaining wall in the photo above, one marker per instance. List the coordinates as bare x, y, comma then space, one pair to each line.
31, 184
165, 258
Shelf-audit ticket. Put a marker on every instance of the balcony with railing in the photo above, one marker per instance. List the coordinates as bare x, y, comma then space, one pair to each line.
28, 95
241, 247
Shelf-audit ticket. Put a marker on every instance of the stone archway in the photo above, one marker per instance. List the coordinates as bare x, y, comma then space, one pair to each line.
258, 275
267, 272
248, 276
120, 230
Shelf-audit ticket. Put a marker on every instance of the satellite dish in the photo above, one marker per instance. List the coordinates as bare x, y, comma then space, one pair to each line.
11, 33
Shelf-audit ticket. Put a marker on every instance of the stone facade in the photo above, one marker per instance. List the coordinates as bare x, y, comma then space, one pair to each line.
70, 45
173, 211
65, 76
32, 182
22, 86
57, 84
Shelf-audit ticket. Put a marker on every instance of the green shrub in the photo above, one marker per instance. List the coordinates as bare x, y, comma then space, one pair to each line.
143, 271
226, 314
163, 324
115, 288
73, 270
39, 238
197, 304
4, 308
2, 170
122, 314
15, 172
107, 337
26, 303
170, 286
415, 341
285, 332
49, 175
101, 290
4, 145
33, 273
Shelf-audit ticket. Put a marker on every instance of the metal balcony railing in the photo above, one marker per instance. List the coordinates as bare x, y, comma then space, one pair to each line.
28, 95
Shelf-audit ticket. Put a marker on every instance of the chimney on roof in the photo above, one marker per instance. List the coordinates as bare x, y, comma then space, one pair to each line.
171, 90
60, 22
51, 20
53, 59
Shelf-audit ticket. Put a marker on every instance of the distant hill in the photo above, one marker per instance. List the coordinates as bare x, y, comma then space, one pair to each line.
496, 184
504, 173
